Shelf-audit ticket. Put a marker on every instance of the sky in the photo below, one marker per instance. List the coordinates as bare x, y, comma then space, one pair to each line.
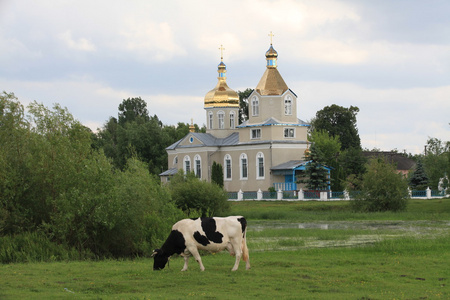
391, 59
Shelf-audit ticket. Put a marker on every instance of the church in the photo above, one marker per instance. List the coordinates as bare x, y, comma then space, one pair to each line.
267, 150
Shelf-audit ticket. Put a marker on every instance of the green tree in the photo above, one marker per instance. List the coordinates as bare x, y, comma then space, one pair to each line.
316, 176
55, 184
353, 164
419, 179
436, 161
329, 147
382, 189
243, 104
197, 197
133, 109
217, 174
339, 121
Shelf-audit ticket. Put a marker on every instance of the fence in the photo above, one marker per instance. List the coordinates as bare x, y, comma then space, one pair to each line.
307, 195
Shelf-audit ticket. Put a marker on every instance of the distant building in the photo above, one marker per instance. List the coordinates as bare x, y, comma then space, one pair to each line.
265, 151
402, 163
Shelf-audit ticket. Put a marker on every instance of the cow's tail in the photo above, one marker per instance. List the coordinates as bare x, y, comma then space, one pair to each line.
245, 255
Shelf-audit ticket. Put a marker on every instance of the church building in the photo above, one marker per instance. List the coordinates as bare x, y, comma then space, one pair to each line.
267, 150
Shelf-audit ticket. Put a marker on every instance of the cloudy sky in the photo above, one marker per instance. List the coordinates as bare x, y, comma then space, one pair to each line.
389, 58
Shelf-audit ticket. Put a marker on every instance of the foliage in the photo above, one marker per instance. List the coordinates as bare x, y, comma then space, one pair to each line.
382, 189
436, 161
243, 104
133, 110
316, 174
197, 197
419, 179
135, 133
353, 164
329, 147
54, 182
217, 174
339, 122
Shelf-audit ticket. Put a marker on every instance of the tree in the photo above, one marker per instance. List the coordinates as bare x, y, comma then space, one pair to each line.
353, 164
217, 174
382, 189
133, 109
419, 179
330, 148
197, 197
243, 104
53, 183
339, 121
315, 173
436, 161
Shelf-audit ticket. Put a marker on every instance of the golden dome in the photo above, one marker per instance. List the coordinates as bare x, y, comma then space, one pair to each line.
271, 82
222, 95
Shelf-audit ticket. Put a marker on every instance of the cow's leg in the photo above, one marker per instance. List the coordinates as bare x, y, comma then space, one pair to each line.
238, 253
196, 255
186, 258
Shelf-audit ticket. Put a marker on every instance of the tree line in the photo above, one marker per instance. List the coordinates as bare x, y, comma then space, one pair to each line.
66, 192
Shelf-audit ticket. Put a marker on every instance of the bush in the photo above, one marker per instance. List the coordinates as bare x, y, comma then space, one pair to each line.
198, 197
382, 189
35, 246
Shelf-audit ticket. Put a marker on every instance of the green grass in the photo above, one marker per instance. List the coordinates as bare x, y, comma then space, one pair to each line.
334, 254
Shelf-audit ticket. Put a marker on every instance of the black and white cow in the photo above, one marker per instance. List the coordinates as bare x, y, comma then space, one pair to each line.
211, 234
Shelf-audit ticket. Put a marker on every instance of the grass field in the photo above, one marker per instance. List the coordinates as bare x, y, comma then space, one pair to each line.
298, 250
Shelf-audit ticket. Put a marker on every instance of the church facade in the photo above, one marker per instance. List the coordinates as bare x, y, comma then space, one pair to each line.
265, 151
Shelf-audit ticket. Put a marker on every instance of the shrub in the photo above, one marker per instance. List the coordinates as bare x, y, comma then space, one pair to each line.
382, 189
198, 197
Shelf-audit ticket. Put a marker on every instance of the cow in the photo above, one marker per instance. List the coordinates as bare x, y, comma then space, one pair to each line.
211, 234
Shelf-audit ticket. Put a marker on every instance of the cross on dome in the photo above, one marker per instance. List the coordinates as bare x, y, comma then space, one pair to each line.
271, 37
221, 52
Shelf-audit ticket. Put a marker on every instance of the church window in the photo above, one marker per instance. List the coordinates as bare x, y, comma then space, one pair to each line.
227, 167
221, 116
210, 120
260, 165
244, 166
187, 164
289, 132
256, 133
198, 166
175, 160
232, 124
255, 106
288, 105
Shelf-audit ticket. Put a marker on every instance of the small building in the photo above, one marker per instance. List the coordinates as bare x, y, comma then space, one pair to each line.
254, 153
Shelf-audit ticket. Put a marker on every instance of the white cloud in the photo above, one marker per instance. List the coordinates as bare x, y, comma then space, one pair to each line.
81, 44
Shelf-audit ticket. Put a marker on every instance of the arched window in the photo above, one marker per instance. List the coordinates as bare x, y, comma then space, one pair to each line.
175, 161
255, 106
260, 165
232, 122
221, 116
186, 164
227, 169
244, 166
288, 105
198, 166
210, 120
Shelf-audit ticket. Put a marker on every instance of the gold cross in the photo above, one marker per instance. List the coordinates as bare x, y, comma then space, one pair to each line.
221, 51
271, 36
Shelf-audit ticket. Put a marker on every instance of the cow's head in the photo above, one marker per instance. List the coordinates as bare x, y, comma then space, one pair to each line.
160, 260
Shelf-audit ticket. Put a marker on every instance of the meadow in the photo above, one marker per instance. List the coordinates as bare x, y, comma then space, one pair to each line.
298, 250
